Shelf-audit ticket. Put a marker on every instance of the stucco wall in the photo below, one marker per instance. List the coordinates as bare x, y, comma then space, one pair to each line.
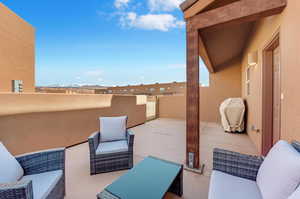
16, 51
172, 107
33, 122
223, 84
289, 28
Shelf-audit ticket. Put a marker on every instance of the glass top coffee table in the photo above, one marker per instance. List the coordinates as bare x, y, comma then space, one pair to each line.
152, 178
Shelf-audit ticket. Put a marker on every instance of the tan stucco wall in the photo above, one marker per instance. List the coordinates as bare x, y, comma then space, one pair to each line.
12, 103
17, 57
223, 84
33, 122
172, 107
289, 26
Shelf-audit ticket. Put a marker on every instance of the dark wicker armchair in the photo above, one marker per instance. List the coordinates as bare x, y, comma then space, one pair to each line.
107, 162
240, 165
237, 175
37, 163
237, 164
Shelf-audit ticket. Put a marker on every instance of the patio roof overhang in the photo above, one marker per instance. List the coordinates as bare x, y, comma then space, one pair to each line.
193, 7
224, 29
217, 31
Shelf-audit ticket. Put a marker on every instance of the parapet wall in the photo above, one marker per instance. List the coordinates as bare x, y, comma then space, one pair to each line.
31, 122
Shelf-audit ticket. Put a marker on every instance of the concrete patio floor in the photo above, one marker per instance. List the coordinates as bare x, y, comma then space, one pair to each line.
164, 138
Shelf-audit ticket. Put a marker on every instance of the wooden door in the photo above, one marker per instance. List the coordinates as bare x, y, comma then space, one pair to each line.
276, 95
271, 95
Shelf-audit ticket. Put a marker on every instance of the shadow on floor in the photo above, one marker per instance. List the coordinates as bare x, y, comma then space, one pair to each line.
164, 138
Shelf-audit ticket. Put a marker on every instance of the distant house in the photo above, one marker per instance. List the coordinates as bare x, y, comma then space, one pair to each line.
173, 88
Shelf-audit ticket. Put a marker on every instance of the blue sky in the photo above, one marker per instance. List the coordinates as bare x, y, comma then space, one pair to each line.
106, 42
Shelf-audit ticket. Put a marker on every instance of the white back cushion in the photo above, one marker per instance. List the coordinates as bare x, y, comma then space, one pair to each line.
113, 128
225, 186
10, 169
279, 174
296, 194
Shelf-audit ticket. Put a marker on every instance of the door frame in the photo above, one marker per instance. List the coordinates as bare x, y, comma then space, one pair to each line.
267, 93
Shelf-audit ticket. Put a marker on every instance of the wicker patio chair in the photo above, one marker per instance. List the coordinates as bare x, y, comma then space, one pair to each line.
238, 175
34, 164
101, 163
240, 165
236, 164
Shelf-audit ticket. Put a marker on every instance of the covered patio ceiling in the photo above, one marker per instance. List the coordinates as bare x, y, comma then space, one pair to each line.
218, 31
226, 43
225, 25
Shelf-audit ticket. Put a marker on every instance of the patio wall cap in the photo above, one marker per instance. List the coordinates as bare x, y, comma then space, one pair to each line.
16, 103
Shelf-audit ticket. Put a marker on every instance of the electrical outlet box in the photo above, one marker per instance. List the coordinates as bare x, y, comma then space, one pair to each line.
191, 159
253, 128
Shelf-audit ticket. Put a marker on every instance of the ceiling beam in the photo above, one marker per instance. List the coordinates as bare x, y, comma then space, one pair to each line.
238, 12
197, 7
187, 4
204, 55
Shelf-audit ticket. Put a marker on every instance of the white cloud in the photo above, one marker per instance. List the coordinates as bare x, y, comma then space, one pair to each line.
119, 4
162, 22
164, 5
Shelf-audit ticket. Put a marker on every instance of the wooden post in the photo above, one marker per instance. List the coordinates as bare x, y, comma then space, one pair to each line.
192, 96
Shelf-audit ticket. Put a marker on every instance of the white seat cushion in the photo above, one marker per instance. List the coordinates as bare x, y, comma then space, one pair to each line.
296, 194
10, 169
113, 128
43, 183
225, 186
279, 174
112, 147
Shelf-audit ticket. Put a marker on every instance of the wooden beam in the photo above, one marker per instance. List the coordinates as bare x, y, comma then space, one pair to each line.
197, 7
204, 55
187, 4
193, 96
204, 5
238, 12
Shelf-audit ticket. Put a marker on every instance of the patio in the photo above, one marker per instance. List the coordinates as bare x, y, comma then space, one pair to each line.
164, 138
